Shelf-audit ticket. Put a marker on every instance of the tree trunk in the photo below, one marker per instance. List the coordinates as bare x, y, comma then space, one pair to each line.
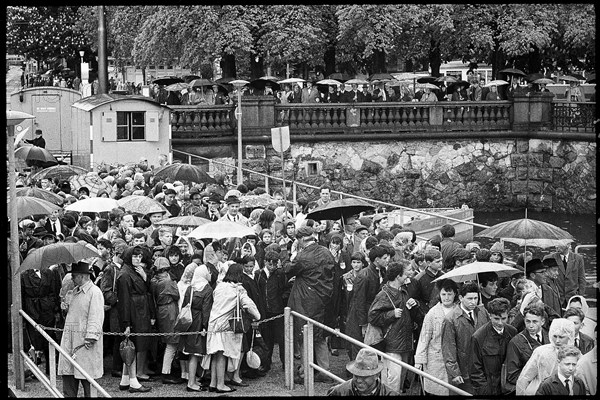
228, 65
329, 59
435, 58
379, 61
256, 67
535, 61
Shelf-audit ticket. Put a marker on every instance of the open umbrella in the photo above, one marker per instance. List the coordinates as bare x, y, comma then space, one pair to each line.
292, 80
186, 220
381, 76
496, 82
578, 76
27, 206
512, 71
329, 82
541, 243
40, 194
339, 209
261, 83
221, 230
426, 79
401, 76
189, 78
356, 81
225, 81
184, 172
58, 171
446, 78
177, 87
92, 181
426, 86
141, 205
458, 84
58, 253
167, 80
469, 272
591, 78
34, 153
545, 81
269, 78
93, 204
534, 76
525, 228
568, 78
200, 82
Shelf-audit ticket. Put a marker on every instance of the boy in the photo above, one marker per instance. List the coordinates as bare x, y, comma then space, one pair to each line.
564, 382
582, 341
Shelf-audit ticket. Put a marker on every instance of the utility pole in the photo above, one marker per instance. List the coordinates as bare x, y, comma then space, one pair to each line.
102, 56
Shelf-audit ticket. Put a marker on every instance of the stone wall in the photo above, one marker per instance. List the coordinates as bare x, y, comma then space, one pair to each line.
487, 175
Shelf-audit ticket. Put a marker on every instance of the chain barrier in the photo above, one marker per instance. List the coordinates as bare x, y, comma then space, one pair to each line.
203, 332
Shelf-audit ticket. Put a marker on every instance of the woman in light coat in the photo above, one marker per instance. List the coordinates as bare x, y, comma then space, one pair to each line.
428, 355
544, 359
222, 343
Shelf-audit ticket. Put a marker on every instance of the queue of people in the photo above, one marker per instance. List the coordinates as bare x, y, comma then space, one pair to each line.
492, 336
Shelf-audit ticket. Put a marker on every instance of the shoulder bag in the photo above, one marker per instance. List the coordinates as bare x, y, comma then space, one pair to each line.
240, 322
374, 336
184, 319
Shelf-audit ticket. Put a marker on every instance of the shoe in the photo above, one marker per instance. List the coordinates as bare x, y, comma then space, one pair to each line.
225, 391
141, 389
212, 389
335, 353
148, 379
323, 378
260, 373
265, 369
169, 380
200, 389
116, 374
123, 387
234, 383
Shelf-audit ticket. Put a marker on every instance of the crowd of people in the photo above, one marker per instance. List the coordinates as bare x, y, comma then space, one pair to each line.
491, 336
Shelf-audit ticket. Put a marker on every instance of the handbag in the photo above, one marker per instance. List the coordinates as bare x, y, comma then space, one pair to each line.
374, 335
127, 351
252, 359
184, 319
240, 322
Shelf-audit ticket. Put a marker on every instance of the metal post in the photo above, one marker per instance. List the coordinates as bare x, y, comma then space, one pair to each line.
102, 58
239, 138
294, 196
283, 170
288, 364
309, 373
266, 184
52, 361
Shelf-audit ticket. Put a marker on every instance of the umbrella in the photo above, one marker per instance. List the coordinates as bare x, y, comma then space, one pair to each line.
200, 82
93, 204
337, 209
292, 80
339, 76
512, 71
177, 87
469, 272
189, 78
221, 230
525, 228
544, 81
59, 171
447, 78
406, 76
329, 82
578, 76
453, 86
225, 81
269, 78
534, 76
40, 194
183, 172
591, 78
34, 153
58, 253
261, 83
496, 82
92, 181
261, 200
568, 78
541, 243
356, 81
167, 80
426, 86
27, 206
426, 79
186, 220
381, 76
141, 205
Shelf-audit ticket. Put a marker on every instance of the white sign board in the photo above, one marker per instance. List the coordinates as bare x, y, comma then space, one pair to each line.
280, 138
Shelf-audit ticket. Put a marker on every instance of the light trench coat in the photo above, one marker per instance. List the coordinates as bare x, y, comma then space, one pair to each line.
429, 350
85, 318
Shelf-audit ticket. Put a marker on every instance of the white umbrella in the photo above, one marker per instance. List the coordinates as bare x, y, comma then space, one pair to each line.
496, 82
93, 204
292, 80
541, 243
329, 82
221, 230
469, 272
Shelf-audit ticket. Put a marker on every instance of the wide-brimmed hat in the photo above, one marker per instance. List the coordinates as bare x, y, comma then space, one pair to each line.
232, 200
365, 364
81, 268
214, 198
550, 261
535, 265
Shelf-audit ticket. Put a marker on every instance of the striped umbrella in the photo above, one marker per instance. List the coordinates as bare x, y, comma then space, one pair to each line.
92, 181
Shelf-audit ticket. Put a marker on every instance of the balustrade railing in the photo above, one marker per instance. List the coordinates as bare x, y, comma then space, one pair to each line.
573, 117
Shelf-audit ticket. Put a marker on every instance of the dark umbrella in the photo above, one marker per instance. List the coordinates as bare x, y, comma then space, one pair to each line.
40, 194
591, 78
225, 81
261, 83
578, 76
189, 78
59, 171
167, 80
447, 78
533, 77
381, 76
427, 79
339, 209
34, 155
338, 76
200, 82
184, 172
456, 85
568, 78
58, 253
512, 71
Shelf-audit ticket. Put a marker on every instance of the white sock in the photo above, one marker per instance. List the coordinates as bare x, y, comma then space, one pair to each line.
133, 383
185, 375
124, 380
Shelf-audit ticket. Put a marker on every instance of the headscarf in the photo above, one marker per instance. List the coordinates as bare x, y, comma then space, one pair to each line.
530, 297
584, 305
562, 325
399, 239
185, 281
190, 249
252, 248
201, 278
209, 255
531, 287
281, 213
255, 214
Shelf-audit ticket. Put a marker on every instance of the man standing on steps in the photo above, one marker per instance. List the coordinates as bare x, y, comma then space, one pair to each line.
571, 273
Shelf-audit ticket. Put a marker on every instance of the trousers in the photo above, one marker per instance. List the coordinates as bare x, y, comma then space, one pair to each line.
71, 386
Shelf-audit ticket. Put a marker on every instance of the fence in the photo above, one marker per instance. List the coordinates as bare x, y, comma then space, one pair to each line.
310, 366
573, 117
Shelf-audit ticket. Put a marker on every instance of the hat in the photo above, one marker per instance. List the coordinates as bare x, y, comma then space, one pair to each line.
232, 200
27, 223
81, 268
233, 192
379, 217
304, 231
549, 261
177, 183
39, 231
365, 364
214, 198
472, 246
170, 191
361, 228
534, 265
497, 248
168, 186
162, 263
48, 235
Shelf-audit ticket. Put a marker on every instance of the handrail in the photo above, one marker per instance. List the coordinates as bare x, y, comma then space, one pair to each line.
336, 191
288, 314
51, 342
584, 246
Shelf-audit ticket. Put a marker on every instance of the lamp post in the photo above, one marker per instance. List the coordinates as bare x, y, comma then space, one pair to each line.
14, 118
81, 54
238, 84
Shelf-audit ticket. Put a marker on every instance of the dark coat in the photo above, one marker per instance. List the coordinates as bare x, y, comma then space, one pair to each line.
489, 353
311, 292
251, 287
447, 247
166, 296
552, 386
202, 302
518, 353
571, 278
366, 286
40, 301
332, 313
398, 332
457, 344
50, 227
519, 322
586, 343
176, 271
551, 296
274, 292
427, 294
214, 274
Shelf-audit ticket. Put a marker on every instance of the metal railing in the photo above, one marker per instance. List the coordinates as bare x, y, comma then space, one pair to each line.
50, 384
342, 194
310, 366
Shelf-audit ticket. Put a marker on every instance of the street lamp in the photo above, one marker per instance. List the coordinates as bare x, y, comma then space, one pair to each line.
81, 54
238, 84
14, 118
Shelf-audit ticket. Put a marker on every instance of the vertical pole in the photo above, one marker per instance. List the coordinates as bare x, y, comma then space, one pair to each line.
102, 58
189, 159
239, 122
309, 373
17, 326
52, 362
283, 169
267, 184
289, 363
294, 196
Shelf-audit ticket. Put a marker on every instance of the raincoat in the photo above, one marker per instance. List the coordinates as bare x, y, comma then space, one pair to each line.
166, 296
588, 324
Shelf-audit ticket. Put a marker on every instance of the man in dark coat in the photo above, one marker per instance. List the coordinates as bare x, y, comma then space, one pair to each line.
448, 245
38, 141
424, 279
550, 292
312, 268
489, 349
522, 345
366, 286
571, 273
